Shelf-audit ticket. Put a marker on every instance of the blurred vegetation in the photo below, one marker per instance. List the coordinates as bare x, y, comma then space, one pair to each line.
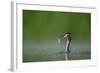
41, 25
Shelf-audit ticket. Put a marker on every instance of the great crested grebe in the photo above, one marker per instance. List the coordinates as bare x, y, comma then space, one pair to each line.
66, 39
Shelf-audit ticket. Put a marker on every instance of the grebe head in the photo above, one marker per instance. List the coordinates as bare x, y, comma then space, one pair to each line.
64, 35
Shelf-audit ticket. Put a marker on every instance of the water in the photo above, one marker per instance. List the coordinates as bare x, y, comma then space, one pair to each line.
52, 51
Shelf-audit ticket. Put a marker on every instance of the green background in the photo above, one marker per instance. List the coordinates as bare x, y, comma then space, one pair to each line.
42, 28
